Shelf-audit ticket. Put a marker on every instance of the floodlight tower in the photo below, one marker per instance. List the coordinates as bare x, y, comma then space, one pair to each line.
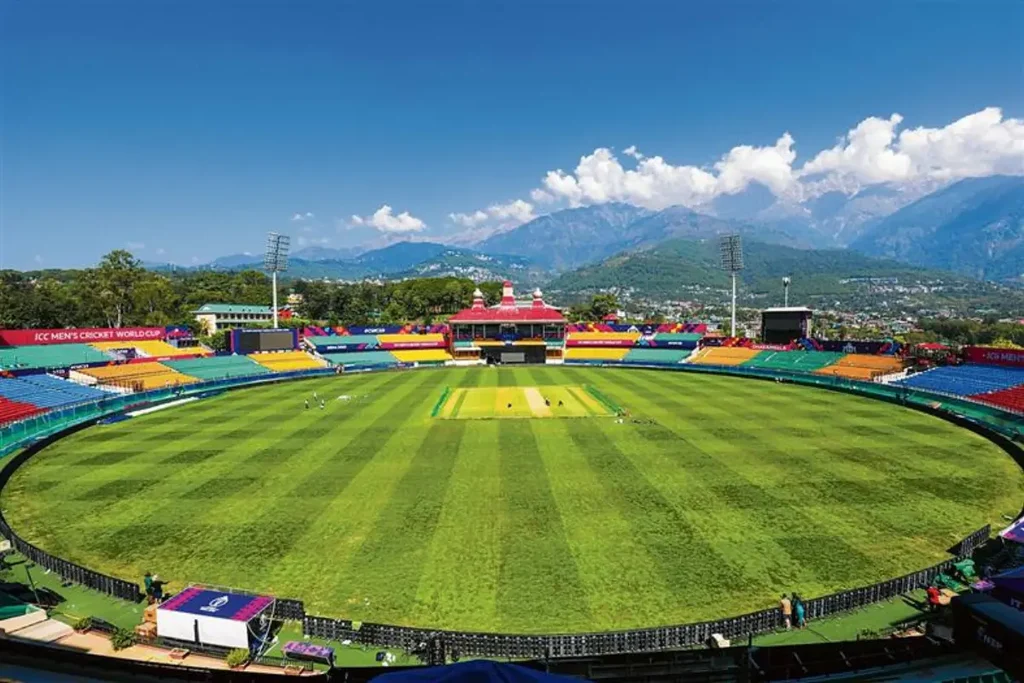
276, 261
731, 247
785, 291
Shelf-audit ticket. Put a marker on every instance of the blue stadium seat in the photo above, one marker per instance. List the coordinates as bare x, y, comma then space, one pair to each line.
47, 391
965, 380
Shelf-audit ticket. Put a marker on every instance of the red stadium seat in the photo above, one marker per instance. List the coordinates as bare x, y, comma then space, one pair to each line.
10, 411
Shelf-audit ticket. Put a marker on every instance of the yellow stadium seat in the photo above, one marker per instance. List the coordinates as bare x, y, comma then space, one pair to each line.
400, 338
611, 353
287, 361
138, 376
422, 355
723, 355
603, 336
151, 348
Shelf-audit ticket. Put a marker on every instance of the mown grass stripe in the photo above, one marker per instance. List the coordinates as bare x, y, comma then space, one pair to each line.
459, 583
536, 560
458, 403
683, 558
391, 558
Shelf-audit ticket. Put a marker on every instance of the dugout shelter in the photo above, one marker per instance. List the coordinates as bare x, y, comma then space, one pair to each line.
210, 616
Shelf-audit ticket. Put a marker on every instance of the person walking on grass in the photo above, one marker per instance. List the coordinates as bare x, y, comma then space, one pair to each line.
787, 611
798, 611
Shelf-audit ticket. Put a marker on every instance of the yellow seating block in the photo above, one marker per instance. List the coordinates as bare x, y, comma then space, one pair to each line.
142, 375
596, 353
399, 338
422, 355
286, 361
151, 348
603, 336
723, 355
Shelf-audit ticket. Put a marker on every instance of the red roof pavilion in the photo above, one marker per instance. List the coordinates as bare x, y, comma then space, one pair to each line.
508, 311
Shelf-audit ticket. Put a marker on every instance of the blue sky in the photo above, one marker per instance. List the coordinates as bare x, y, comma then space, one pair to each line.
186, 130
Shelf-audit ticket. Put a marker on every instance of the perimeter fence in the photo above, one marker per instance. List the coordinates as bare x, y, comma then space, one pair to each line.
52, 426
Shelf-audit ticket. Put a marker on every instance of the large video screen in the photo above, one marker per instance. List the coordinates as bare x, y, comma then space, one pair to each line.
253, 341
781, 328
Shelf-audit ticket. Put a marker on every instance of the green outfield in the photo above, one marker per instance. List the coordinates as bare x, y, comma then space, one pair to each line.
708, 499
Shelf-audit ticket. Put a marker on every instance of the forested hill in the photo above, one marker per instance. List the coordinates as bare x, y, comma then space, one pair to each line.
680, 269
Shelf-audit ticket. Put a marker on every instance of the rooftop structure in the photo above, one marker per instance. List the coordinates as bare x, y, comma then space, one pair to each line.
509, 310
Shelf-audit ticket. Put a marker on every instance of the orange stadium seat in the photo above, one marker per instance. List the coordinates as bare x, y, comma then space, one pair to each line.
138, 376
863, 366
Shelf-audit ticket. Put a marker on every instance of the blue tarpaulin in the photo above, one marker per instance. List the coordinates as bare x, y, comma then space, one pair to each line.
476, 671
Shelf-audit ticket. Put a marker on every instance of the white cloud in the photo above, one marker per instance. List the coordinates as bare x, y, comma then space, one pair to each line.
135, 246
303, 216
515, 212
873, 152
37, 258
160, 251
632, 151
304, 241
979, 144
541, 196
468, 220
384, 220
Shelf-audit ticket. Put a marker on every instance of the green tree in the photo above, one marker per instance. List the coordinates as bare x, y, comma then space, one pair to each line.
116, 278
603, 304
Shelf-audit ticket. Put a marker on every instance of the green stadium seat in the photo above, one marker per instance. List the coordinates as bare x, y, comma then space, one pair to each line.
361, 359
656, 356
49, 356
794, 361
218, 367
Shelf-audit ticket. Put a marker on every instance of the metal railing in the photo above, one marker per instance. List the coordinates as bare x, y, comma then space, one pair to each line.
479, 644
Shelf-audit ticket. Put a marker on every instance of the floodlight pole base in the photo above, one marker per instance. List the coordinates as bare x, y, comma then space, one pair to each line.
273, 280
732, 330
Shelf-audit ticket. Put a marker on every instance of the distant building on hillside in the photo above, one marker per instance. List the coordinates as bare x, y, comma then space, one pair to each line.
213, 318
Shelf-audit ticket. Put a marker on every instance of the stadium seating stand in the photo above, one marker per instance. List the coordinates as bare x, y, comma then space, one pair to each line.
596, 354
966, 380
12, 411
361, 359
152, 348
864, 366
369, 341
796, 361
1010, 399
218, 367
722, 355
47, 392
138, 376
422, 356
655, 356
287, 361
49, 356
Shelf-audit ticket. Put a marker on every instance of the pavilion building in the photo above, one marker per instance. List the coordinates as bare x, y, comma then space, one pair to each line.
511, 332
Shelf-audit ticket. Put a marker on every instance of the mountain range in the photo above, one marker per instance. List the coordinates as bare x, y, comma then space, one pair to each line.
396, 261
974, 227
